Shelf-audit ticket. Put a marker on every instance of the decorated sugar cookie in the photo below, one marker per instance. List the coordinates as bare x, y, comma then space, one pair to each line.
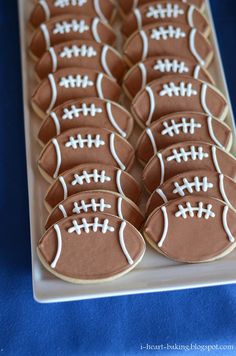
175, 93
128, 5
92, 112
180, 127
45, 9
185, 157
168, 39
97, 201
84, 54
92, 176
72, 83
67, 28
192, 229
92, 247
84, 145
154, 68
162, 11
200, 183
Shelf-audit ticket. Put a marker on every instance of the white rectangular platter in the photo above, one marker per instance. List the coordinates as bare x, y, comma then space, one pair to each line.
155, 273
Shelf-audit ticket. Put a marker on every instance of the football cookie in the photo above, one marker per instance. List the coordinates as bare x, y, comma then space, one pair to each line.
168, 39
185, 157
89, 248
87, 112
128, 5
97, 201
73, 83
83, 54
67, 28
45, 9
175, 93
92, 176
153, 68
180, 127
84, 145
192, 229
206, 183
161, 11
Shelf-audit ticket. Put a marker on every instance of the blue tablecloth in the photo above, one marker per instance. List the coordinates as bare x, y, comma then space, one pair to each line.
112, 326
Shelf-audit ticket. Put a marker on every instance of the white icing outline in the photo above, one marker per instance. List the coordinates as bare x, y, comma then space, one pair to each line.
166, 226
190, 15
99, 85
138, 17
118, 182
222, 191
113, 152
143, 71
112, 119
58, 154
215, 160
56, 122
59, 246
122, 243
162, 166
192, 47
145, 44
152, 104
46, 36
162, 195
103, 61
152, 140
62, 209
196, 71
211, 133
94, 30
203, 99
53, 58
99, 11
225, 224
119, 208
64, 186
53, 85
45, 8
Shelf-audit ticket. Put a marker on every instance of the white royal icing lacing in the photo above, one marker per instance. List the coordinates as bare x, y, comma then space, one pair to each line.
168, 65
78, 81
182, 155
197, 184
162, 33
85, 226
187, 126
94, 205
78, 51
161, 12
200, 210
96, 176
88, 141
72, 26
183, 89
64, 3
86, 110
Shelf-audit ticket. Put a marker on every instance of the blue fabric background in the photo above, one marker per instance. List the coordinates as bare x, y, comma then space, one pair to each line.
112, 326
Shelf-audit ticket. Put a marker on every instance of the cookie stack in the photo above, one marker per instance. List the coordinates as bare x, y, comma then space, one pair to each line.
92, 226
185, 144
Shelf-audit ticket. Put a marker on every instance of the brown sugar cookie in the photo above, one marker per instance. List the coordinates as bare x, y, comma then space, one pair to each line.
175, 93
154, 68
92, 112
92, 176
84, 54
205, 183
72, 83
97, 201
161, 11
94, 247
192, 229
185, 157
84, 145
67, 28
46, 9
168, 39
180, 127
